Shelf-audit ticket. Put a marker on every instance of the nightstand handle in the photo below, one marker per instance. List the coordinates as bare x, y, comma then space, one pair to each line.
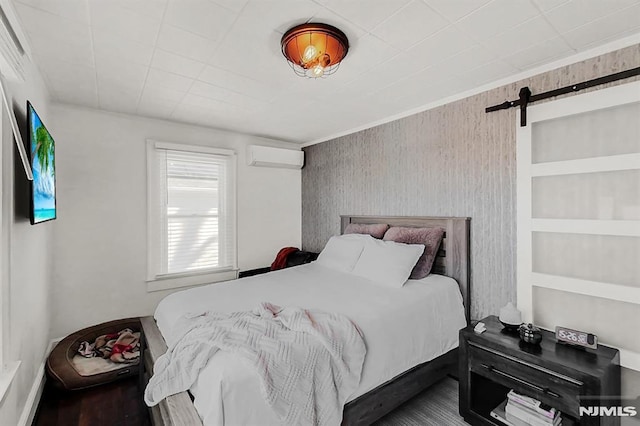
527, 364
546, 391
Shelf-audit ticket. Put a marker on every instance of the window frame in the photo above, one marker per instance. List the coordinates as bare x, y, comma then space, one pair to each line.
156, 281
8, 369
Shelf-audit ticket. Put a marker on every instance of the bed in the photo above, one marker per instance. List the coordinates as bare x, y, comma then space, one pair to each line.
400, 362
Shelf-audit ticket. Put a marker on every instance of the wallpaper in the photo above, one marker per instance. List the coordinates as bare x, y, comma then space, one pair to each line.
453, 160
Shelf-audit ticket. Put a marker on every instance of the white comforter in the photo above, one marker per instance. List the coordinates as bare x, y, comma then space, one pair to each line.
401, 327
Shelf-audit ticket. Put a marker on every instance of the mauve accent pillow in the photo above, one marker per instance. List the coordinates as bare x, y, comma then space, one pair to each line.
376, 230
430, 237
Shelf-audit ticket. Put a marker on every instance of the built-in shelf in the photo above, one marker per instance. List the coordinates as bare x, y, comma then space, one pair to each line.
587, 165
624, 228
592, 133
622, 293
610, 291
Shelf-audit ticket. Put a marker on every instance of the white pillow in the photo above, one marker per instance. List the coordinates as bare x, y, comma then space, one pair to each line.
388, 263
342, 252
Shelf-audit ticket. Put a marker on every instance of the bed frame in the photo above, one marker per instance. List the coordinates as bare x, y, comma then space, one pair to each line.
452, 260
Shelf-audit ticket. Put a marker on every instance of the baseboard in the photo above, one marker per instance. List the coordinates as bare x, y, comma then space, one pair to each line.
31, 405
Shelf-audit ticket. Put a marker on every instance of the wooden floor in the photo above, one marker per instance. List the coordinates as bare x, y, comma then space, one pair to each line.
114, 404
436, 406
120, 404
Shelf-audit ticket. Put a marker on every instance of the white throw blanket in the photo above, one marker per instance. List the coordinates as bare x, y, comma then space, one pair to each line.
309, 362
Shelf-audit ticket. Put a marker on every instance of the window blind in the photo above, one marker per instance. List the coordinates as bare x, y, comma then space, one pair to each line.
196, 211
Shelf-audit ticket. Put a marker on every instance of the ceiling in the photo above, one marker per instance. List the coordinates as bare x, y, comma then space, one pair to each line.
218, 63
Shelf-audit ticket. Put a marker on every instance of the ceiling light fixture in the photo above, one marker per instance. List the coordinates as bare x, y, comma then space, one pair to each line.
314, 50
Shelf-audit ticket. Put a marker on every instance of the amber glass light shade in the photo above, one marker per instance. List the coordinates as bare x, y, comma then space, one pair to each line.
314, 50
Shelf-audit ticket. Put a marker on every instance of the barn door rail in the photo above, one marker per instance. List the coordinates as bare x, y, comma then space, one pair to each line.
526, 97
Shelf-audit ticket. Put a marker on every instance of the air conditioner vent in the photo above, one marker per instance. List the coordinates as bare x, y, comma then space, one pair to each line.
266, 156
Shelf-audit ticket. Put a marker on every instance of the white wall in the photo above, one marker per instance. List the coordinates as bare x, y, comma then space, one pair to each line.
100, 235
27, 253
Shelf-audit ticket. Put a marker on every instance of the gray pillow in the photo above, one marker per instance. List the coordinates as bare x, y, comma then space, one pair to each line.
376, 230
430, 237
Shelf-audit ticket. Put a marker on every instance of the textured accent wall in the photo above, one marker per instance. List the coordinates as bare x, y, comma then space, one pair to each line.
454, 160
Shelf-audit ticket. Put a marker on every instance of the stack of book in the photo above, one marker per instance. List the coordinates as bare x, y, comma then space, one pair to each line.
520, 410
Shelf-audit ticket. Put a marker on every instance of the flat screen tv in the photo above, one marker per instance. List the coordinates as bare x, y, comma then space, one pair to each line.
43, 164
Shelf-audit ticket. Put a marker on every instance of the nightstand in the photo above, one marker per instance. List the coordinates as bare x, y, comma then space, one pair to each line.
252, 272
294, 259
561, 376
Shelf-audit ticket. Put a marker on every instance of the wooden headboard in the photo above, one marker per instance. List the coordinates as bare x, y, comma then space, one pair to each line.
453, 258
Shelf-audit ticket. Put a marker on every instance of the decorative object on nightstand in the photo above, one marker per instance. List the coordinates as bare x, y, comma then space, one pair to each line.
550, 376
510, 317
530, 334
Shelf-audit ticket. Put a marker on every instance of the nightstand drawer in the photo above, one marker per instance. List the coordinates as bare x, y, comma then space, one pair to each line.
546, 385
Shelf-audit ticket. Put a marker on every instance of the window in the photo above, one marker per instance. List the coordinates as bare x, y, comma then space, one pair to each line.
192, 219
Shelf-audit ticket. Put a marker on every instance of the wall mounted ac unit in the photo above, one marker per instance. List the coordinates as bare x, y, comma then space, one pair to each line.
266, 156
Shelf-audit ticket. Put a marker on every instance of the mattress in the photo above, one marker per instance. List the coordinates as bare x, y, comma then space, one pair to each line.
402, 328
